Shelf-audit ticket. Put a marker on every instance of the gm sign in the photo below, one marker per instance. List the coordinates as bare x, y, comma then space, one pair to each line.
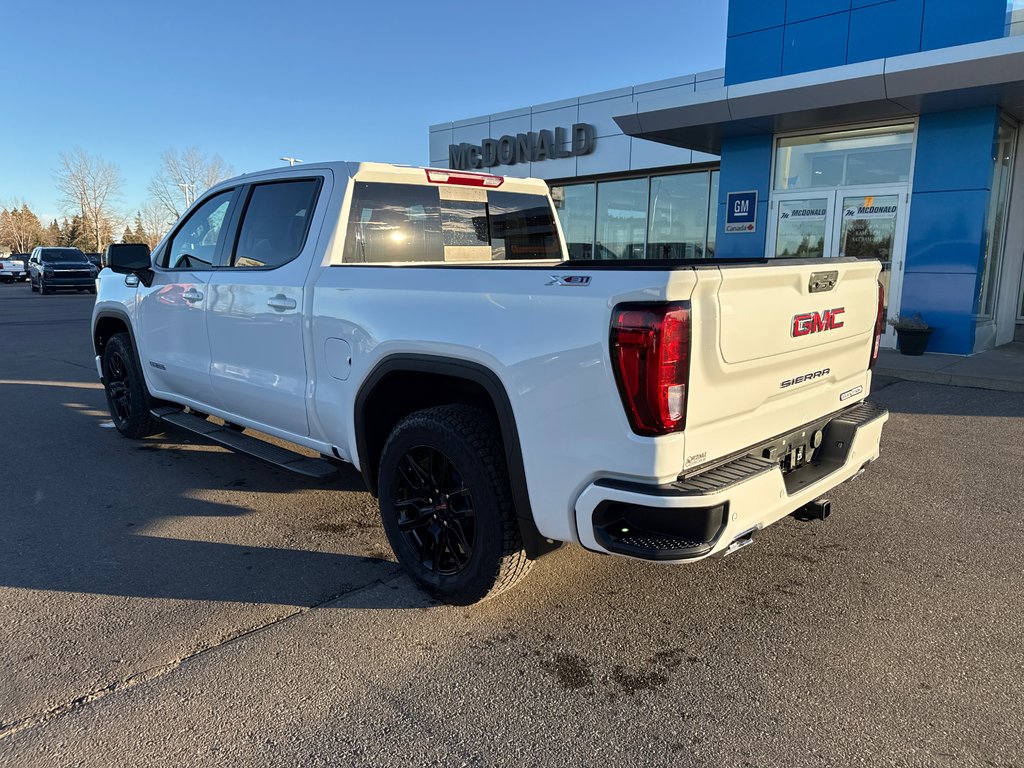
741, 212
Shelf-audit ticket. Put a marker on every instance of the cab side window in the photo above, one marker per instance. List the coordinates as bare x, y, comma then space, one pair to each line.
275, 223
194, 245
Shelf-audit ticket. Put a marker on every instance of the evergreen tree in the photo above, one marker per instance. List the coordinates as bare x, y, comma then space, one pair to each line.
52, 236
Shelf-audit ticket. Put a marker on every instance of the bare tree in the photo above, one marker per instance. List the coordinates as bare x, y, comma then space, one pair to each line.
20, 228
184, 176
155, 221
89, 185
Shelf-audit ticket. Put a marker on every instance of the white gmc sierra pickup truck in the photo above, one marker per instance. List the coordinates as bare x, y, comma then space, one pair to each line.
498, 398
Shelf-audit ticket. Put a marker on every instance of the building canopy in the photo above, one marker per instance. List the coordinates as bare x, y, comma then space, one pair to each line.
959, 77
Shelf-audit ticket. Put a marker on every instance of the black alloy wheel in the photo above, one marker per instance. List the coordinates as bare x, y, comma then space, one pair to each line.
446, 504
119, 388
127, 397
434, 510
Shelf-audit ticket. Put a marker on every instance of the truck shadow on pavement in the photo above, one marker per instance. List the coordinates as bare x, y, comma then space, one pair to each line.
99, 514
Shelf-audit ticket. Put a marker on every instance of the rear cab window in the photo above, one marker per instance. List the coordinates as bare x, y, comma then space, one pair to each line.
391, 223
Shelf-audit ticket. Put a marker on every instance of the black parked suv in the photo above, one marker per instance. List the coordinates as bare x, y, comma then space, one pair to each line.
52, 269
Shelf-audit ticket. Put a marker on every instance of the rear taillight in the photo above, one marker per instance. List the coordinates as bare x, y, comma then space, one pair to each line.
650, 346
464, 179
879, 327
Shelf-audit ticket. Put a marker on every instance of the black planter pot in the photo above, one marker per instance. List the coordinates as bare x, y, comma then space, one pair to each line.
913, 341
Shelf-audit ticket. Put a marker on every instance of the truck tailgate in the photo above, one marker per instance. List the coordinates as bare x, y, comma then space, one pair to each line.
776, 346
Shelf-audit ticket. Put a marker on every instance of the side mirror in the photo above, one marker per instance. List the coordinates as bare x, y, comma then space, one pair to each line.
130, 259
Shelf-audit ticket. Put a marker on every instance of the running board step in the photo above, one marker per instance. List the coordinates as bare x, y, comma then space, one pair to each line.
317, 469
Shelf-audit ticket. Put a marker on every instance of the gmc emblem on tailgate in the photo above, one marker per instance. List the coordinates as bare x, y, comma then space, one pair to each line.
815, 322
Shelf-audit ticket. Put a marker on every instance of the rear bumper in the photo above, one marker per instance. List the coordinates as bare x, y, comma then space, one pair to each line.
706, 514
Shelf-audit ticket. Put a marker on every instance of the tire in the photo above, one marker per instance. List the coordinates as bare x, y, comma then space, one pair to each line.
43, 290
32, 285
446, 504
127, 397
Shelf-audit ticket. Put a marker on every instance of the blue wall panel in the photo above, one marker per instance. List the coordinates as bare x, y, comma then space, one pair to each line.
946, 302
947, 231
753, 15
802, 10
815, 44
876, 29
955, 22
753, 56
886, 29
746, 165
954, 150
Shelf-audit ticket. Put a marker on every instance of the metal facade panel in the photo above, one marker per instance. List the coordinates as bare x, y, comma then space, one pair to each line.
753, 56
555, 118
954, 150
955, 22
510, 126
753, 15
651, 154
610, 155
601, 114
802, 10
815, 44
439, 141
887, 29
946, 302
947, 231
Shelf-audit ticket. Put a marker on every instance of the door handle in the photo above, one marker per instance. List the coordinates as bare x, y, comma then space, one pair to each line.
281, 303
192, 295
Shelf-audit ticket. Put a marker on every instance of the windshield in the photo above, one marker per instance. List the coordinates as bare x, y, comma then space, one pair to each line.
62, 254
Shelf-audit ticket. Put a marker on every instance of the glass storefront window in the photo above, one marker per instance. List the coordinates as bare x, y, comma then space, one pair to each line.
673, 216
995, 225
709, 250
678, 219
621, 219
1014, 17
843, 158
577, 205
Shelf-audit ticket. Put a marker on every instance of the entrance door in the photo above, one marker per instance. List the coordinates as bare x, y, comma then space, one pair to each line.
873, 226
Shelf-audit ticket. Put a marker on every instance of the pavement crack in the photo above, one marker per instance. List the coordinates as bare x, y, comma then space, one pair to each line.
12, 727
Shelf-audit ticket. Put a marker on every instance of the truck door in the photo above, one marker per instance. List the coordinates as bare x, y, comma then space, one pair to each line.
255, 311
172, 310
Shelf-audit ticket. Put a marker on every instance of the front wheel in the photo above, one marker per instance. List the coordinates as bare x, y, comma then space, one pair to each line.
446, 504
43, 290
32, 285
127, 396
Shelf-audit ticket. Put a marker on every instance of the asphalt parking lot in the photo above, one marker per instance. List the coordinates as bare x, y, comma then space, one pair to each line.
166, 602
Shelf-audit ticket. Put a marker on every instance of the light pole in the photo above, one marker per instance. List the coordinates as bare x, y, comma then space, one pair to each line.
291, 160
190, 192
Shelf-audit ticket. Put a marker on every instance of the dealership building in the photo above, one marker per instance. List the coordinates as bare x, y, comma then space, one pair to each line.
881, 129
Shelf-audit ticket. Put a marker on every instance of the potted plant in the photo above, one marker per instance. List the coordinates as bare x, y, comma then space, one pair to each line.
912, 334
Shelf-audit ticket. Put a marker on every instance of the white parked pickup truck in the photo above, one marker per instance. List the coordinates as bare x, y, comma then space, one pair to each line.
498, 398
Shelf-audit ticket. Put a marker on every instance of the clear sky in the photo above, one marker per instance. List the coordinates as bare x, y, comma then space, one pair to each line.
318, 80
